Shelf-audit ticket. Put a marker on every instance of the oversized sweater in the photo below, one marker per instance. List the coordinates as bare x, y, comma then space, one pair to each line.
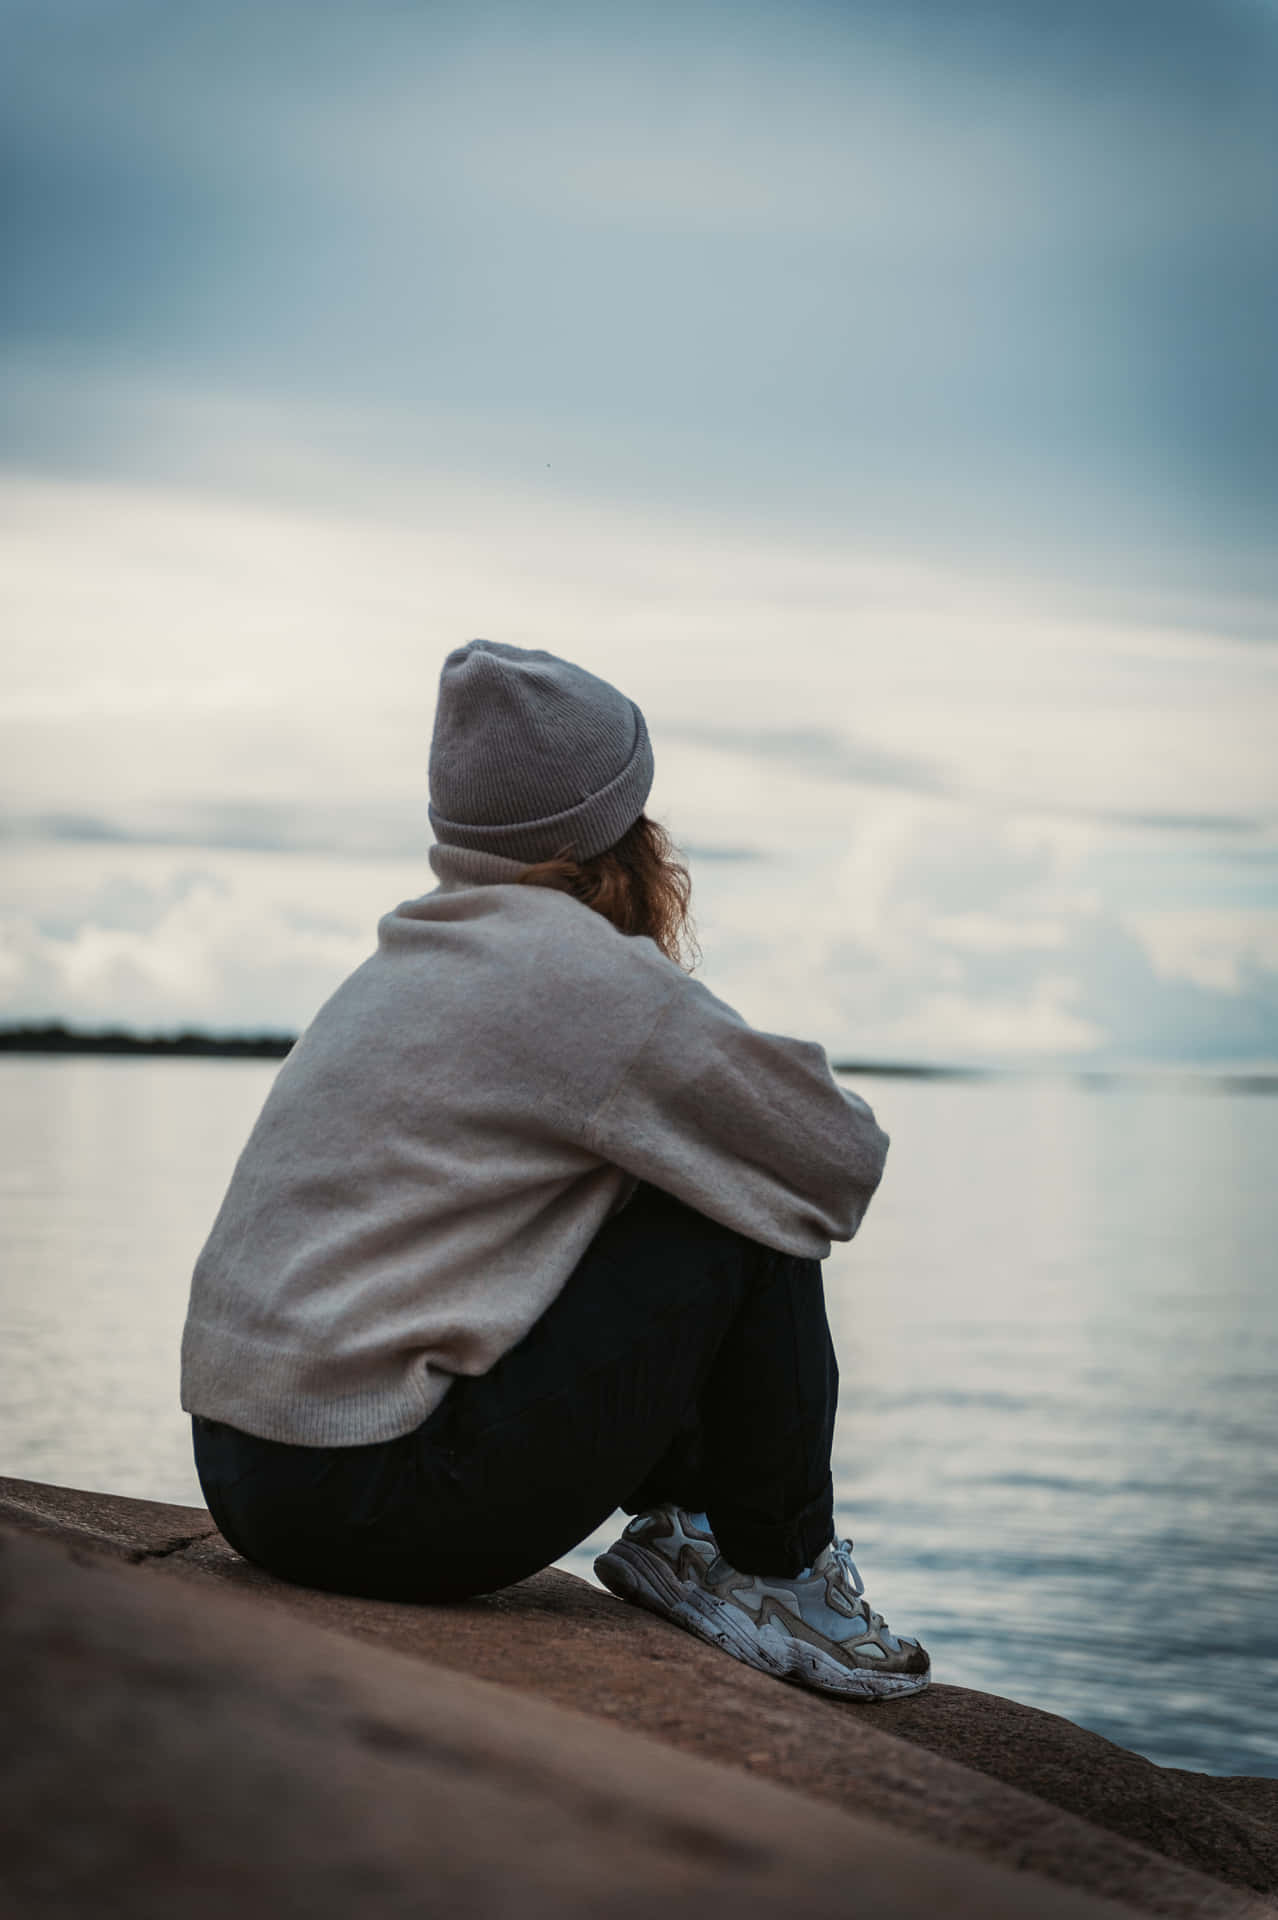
455, 1126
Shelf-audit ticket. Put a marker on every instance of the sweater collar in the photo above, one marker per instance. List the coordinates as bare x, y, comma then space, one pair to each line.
458, 867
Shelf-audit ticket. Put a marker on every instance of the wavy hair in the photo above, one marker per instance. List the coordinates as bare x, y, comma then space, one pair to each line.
640, 885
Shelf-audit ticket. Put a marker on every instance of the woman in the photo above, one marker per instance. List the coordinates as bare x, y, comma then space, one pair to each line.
530, 1226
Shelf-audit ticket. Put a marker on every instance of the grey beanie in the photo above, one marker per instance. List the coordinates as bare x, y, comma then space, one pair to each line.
532, 755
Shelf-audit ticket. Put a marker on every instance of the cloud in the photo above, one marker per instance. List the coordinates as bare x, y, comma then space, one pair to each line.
822, 754
921, 808
938, 940
898, 269
753, 363
818, 752
173, 652
1040, 1025
100, 699
350, 831
1086, 989
697, 850
233, 944
1226, 952
946, 937
1170, 822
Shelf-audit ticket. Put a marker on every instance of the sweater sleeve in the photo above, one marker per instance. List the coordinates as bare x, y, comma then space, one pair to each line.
750, 1128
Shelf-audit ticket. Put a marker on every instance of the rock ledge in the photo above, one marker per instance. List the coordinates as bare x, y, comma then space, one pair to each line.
189, 1728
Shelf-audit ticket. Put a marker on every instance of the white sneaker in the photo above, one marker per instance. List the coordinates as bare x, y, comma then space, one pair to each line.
816, 1629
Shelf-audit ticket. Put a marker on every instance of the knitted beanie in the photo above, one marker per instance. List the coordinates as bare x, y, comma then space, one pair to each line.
532, 756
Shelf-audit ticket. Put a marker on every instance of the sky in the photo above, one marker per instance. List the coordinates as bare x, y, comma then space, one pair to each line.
883, 396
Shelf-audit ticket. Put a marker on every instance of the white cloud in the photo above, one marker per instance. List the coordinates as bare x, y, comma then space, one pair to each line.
241, 941
1216, 949
987, 933
1044, 1023
100, 699
959, 843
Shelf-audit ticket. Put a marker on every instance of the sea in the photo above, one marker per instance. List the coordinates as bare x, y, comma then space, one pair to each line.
1057, 1449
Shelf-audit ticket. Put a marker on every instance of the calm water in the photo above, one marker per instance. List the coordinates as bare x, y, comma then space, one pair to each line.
1058, 1332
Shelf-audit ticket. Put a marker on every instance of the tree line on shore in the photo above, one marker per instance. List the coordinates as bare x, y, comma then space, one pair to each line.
52, 1036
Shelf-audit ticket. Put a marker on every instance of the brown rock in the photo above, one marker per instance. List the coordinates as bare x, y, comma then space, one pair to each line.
179, 1750
1228, 1827
987, 1775
105, 1522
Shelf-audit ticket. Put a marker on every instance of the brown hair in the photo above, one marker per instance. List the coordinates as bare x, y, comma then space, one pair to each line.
640, 884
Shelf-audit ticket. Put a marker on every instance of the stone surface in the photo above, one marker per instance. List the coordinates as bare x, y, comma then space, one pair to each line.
179, 1750
132, 1530
989, 1776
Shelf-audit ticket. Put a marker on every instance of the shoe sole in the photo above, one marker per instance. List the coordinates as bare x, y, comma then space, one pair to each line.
647, 1580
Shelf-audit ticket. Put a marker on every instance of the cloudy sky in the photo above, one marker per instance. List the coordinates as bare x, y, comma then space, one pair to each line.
883, 395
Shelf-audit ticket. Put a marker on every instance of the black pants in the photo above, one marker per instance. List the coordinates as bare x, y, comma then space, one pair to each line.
681, 1362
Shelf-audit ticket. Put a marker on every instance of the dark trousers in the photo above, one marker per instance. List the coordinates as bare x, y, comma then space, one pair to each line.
681, 1362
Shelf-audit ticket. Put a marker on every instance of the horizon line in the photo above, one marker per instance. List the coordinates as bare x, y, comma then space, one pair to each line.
53, 1037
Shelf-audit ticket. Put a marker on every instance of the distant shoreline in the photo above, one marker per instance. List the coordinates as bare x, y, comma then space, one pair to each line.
53, 1038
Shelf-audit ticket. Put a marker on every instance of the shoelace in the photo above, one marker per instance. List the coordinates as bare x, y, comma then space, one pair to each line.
841, 1553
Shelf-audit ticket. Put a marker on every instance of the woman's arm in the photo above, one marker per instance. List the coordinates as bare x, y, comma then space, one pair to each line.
750, 1128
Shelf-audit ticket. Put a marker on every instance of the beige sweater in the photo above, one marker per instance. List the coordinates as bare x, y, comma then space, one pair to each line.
452, 1130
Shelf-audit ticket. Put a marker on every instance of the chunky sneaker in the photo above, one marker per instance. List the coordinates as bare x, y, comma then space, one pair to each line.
816, 1629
